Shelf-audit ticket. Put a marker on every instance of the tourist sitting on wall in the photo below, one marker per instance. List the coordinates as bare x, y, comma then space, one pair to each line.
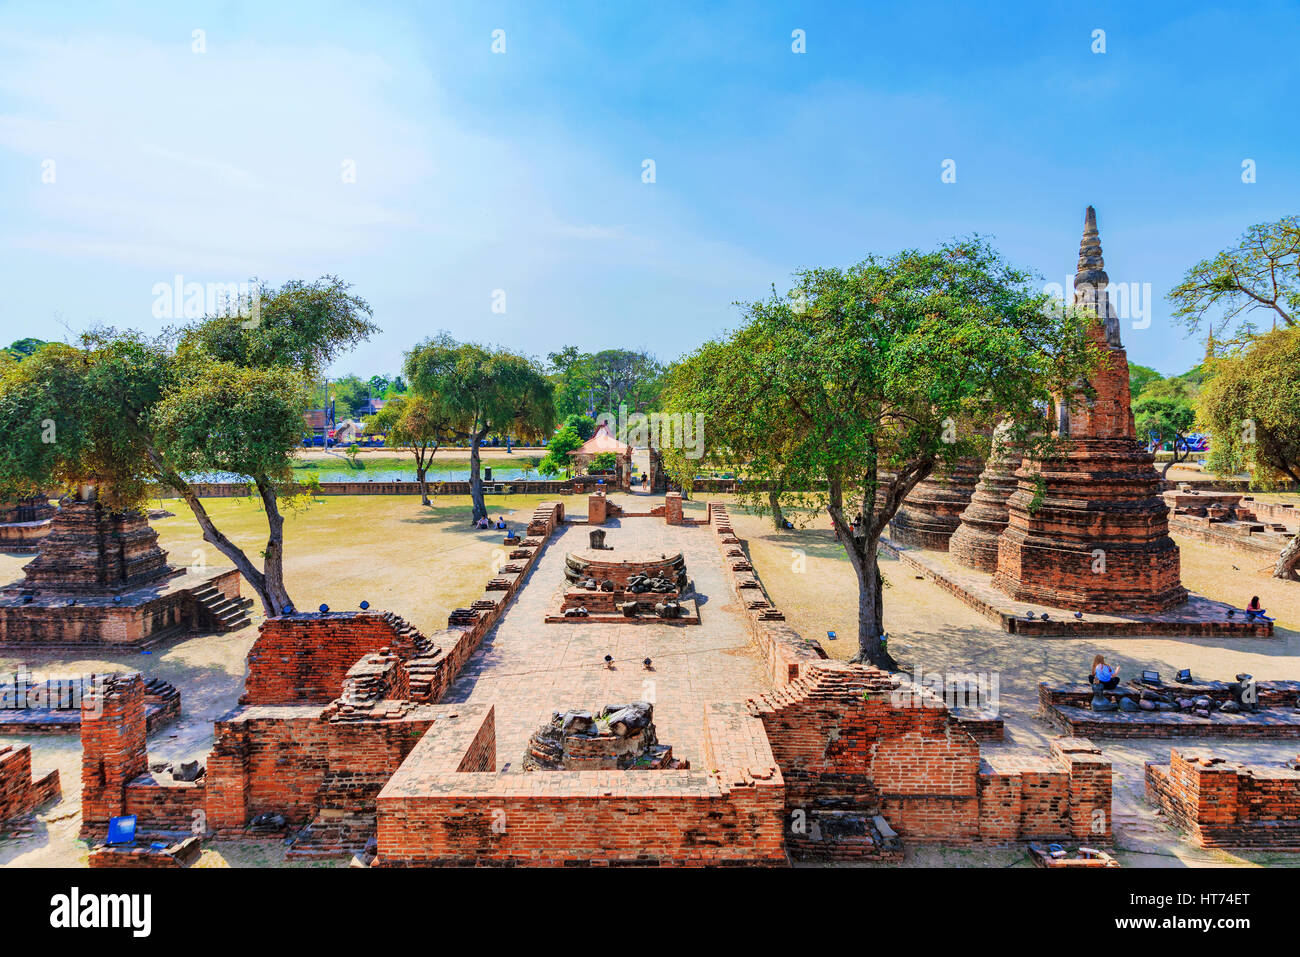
1103, 675
1255, 610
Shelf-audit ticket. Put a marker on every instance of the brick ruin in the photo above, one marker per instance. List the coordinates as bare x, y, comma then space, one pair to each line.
1223, 803
932, 510
100, 578
341, 743
1099, 500
629, 588
53, 705
24, 523
1233, 519
21, 792
1194, 708
612, 738
975, 542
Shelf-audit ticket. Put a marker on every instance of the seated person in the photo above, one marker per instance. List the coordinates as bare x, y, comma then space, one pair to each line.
483, 523
1254, 609
1103, 675
501, 522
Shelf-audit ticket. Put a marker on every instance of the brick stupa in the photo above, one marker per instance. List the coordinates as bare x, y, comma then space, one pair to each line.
24, 523
91, 550
1093, 532
931, 512
975, 543
100, 578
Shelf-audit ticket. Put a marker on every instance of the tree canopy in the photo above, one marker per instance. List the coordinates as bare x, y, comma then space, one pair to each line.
1251, 404
418, 423
1261, 273
484, 391
126, 411
857, 383
1166, 412
602, 381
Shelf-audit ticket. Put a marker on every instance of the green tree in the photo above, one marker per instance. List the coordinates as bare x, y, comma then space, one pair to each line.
602, 381
22, 348
1250, 404
1166, 412
873, 366
1262, 272
556, 461
224, 395
1139, 377
416, 423
751, 432
485, 391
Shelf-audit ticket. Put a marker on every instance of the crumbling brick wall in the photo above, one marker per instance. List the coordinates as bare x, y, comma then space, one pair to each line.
20, 793
303, 659
1224, 803
113, 748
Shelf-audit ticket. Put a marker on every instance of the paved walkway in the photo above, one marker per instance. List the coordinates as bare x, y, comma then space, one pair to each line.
530, 669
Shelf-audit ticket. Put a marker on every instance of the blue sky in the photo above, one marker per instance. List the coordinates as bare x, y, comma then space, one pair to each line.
522, 171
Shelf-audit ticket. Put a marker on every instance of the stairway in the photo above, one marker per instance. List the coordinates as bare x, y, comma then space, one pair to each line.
333, 834
226, 614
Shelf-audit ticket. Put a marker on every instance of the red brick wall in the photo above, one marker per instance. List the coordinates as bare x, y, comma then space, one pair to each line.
1223, 803
436, 810
113, 748
162, 804
266, 759
19, 793
673, 508
303, 659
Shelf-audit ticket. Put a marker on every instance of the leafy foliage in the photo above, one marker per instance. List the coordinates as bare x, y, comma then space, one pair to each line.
1251, 405
854, 386
483, 391
1166, 412
1262, 272
1139, 377
604, 380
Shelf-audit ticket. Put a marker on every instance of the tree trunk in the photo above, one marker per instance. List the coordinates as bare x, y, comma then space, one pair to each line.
871, 608
213, 535
1288, 563
475, 479
424, 485
273, 557
778, 517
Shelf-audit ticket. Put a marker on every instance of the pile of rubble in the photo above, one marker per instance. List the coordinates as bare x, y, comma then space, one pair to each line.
1244, 699
616, 738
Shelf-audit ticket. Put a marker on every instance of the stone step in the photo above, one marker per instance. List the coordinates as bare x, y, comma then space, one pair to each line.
846, 835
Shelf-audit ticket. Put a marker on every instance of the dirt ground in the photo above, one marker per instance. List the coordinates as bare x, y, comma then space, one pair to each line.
419, 562
423, 561
807, 575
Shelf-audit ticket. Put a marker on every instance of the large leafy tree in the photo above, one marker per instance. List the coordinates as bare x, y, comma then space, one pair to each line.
1166, 412
1250, 403
604, 380
22, 348
1261, 273
224, 395
861, 372
485, 391
749, 429
419, 424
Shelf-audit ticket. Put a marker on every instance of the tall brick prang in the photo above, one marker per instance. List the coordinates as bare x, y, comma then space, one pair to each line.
1088, 529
